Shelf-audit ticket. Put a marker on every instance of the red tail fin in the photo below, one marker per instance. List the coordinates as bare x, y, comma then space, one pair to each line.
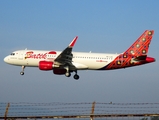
141, 45
136, 54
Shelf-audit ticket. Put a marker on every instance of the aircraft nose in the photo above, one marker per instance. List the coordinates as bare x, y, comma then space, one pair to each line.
6, 59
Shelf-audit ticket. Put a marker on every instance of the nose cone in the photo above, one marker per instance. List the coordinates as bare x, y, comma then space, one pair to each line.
6, 59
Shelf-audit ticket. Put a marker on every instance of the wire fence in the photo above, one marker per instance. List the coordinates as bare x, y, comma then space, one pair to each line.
84, 110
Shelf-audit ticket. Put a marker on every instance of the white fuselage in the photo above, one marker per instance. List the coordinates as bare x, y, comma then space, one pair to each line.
81, 60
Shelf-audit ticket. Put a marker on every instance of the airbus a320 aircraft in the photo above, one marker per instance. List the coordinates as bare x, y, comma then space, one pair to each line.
65, 62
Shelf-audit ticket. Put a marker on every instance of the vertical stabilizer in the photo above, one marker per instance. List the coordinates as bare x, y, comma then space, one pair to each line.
136, 54
141, 45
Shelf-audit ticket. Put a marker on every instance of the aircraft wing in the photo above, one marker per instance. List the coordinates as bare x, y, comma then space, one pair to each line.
65, 57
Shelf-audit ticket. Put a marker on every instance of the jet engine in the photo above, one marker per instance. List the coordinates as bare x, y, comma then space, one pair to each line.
59, 71
45, 65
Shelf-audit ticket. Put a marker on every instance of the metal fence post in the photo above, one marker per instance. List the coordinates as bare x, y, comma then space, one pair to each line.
92, 111
6, 112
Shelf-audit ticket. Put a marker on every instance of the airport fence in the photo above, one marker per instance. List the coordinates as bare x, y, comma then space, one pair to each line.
82, 111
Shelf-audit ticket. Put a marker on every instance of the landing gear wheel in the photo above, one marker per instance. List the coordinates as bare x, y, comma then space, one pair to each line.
67, 74
76, 77
22, 73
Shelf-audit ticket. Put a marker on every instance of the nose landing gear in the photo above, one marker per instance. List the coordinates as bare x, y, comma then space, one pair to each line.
22, 72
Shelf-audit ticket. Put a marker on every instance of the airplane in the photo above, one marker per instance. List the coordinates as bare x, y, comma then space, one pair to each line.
65, 62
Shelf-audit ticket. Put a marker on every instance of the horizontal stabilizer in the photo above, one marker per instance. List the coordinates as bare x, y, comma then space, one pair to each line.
140, 58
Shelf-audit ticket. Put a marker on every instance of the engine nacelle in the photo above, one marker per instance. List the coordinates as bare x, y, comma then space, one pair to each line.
45, 65
59, 71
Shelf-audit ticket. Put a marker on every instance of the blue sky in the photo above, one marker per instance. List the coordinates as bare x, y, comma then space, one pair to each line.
107, 26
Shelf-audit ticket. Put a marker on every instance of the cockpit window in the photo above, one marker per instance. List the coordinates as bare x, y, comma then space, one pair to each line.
12, 54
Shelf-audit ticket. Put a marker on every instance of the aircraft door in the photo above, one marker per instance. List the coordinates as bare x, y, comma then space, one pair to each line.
21, 55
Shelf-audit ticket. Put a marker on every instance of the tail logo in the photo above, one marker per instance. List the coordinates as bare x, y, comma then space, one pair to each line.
135, 55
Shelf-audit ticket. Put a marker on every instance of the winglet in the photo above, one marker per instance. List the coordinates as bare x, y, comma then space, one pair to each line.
73, 42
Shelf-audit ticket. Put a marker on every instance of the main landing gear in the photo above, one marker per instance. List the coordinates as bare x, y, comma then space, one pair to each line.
68, 74
22, 72
76, 77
